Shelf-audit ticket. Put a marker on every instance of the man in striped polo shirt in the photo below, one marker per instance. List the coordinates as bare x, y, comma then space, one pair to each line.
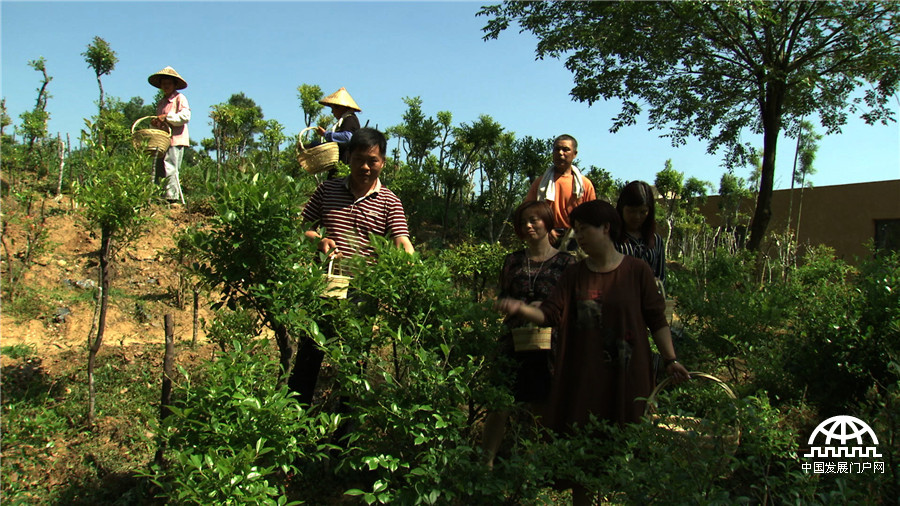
351, 208
348, 210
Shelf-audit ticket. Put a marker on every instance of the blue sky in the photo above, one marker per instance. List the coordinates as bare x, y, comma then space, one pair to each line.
381, 52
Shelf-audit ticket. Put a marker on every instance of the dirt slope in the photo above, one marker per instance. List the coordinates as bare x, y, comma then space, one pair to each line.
59, 284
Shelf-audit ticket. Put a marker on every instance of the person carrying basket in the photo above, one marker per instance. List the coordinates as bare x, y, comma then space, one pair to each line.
174, 111
344, 110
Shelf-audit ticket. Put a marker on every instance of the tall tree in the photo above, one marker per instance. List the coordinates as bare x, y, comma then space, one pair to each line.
418, 135
100, 57
713, 69
670, 184
5, 120
805, 155
34, 122
235, 123
309, 95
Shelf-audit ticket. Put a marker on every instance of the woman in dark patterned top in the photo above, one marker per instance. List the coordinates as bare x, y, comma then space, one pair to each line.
637, 209
529, 275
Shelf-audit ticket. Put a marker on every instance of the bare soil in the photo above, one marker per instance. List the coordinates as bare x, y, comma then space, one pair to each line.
61, 280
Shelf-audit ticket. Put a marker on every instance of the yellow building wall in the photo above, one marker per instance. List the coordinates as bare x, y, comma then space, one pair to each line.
841, 216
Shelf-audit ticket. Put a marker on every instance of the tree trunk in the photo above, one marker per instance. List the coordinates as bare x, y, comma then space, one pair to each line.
286, 351
100, 84
196, 327
62, 163
105, 242
168, 372
771, 116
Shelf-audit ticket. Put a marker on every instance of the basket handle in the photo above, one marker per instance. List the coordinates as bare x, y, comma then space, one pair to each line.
148, 117
694, 374
300, 137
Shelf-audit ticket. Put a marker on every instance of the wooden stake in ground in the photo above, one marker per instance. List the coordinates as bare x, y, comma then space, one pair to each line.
168, 372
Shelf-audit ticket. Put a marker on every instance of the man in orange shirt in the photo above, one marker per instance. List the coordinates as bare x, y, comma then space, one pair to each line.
563, 186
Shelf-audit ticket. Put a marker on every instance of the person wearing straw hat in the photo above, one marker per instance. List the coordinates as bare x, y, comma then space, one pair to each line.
175, 111
564, 186
344, 110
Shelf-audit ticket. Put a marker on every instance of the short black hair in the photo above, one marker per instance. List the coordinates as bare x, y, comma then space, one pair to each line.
365, 138
597, 213
567, 137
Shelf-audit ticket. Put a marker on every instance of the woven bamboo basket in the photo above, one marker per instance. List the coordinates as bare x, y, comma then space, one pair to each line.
152, 140
690, 433
336, 285
317, 158
532, 338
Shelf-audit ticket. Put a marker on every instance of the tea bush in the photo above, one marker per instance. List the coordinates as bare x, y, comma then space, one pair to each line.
231, 438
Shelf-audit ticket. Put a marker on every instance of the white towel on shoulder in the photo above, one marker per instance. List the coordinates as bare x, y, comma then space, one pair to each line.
547, 186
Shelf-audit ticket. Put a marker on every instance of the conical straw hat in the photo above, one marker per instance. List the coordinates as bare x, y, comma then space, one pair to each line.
180, 83
341, 97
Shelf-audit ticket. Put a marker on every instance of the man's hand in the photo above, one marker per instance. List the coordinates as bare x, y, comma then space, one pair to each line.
329, 247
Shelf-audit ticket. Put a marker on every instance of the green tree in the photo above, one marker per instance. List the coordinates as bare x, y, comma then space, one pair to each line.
5, 120
724, 66
271, 138
418, 135
309, 95
34, 122
235, 123
507, 169
254, 252
733, 191
804, 157
670, 185
605, 186
114, 195
471, 143
102, 59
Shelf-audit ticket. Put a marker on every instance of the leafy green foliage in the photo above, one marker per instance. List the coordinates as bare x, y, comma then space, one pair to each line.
255, 252
102, 60
827, 333
31, 218
475, 266
416, 379
309, 95
115, 193
229, 436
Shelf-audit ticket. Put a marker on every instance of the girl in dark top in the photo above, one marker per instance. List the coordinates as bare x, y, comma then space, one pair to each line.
637, 210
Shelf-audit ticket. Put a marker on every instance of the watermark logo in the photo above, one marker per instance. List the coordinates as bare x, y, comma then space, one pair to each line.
843, 437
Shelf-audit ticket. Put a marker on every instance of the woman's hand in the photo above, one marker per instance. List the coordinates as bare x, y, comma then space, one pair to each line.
508, 306
320, 131
678, 372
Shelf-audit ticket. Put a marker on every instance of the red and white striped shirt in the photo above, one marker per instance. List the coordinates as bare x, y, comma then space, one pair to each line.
348, 221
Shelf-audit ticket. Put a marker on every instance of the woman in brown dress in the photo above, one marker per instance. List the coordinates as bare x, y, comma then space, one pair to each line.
603, 307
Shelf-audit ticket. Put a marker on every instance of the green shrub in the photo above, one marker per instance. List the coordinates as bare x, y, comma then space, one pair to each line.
230, 437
